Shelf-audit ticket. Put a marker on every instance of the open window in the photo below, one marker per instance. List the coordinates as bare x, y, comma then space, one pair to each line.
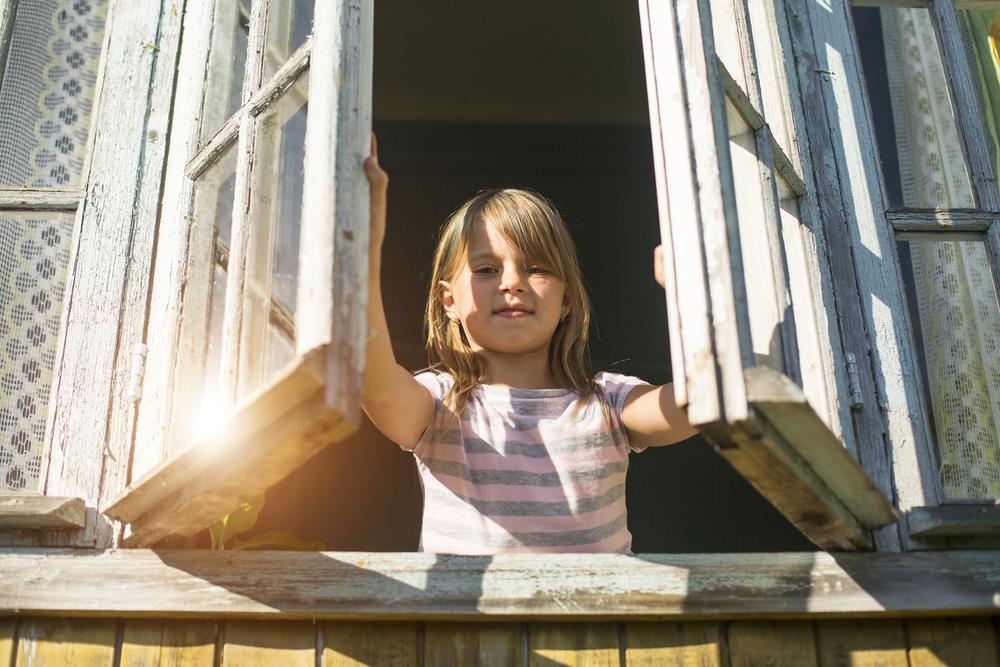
258, 306
743, 291
936, 118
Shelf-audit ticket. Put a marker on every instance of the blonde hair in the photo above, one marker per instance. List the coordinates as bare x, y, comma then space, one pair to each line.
530, 223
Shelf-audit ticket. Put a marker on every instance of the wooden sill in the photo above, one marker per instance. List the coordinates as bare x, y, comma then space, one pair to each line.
954, 520
399, 586
29, 511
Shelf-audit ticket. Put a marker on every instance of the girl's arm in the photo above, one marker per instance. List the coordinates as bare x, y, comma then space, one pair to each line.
650, 414
399, 406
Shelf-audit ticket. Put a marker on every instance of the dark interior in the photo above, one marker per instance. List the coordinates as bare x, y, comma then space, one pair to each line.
549, 96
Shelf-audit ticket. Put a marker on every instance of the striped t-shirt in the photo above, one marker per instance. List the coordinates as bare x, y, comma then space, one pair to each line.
525, 470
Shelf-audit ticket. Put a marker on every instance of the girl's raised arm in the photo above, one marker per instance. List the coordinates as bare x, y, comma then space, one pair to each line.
399, 406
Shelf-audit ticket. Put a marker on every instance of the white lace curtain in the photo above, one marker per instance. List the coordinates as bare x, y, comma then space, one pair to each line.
956, 297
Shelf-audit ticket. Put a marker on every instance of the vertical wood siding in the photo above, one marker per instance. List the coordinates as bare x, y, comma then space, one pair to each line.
972, 641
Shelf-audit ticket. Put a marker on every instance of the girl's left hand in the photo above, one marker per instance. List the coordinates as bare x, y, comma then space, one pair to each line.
658, 265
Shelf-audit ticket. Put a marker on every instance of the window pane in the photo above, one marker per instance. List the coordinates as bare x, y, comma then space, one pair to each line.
226, 65
48, 91
34, 251
953, 305
914, 115
273, 255
289, 23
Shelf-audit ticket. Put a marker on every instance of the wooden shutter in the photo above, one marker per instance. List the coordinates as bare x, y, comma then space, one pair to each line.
726, 188
278, 421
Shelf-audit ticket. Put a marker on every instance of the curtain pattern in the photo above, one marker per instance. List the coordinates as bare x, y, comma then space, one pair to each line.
956, 298
46, 96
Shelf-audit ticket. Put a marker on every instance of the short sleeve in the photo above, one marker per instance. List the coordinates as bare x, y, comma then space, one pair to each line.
438, 384
616, 389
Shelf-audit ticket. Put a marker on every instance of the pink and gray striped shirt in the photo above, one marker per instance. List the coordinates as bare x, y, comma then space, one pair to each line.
525, 470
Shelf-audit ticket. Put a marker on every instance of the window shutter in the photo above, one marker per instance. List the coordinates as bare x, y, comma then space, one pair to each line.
728, 192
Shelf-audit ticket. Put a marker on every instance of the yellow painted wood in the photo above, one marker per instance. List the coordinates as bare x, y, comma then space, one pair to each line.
267, 643
8, 633
153, 642
349, 644
862, 643
952, 641
485, 644
773, 643
673, 644
573, 644
80, 642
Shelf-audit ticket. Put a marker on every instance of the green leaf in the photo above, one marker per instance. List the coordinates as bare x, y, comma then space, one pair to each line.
277, 539
238, 521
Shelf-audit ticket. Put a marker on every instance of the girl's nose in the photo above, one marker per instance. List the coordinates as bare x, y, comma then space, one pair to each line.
511, 280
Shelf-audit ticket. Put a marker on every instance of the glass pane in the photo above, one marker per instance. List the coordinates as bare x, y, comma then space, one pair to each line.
289, 23
34, 251
273, 255
48, 91
953, 304
914, 116
226, 65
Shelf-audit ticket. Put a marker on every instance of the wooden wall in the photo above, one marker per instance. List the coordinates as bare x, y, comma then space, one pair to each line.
84, 642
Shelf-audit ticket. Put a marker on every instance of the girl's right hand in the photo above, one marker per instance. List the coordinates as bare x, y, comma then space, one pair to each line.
379, 181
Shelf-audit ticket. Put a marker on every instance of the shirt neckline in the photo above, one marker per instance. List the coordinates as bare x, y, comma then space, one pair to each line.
521, 392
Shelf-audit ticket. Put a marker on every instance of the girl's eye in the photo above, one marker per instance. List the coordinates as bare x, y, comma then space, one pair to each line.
485, 270
537, 269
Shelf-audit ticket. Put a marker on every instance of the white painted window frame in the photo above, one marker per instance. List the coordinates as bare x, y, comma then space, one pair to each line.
181, 486
919, 490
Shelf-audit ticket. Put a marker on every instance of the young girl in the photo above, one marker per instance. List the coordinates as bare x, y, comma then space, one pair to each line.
519, 448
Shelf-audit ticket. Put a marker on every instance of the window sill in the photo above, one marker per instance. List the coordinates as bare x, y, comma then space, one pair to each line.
954, 520
400, 586
31, 511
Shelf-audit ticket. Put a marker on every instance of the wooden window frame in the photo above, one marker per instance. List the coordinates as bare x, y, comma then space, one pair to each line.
929, 517
753, 411
314, 401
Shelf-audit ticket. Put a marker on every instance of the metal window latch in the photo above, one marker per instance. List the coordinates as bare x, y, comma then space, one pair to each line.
854, 382
138, 370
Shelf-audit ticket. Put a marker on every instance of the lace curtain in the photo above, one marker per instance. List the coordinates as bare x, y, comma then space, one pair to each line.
956, 298
46, 96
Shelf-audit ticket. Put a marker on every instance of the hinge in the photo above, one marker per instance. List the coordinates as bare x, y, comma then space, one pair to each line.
138, 370
854, 382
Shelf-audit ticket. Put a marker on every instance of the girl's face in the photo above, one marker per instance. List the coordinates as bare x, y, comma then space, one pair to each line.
503, 306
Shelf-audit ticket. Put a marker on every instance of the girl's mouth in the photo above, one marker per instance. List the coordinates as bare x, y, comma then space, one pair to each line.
512, 313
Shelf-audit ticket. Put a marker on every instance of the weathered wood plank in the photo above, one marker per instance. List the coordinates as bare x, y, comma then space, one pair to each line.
936, 642
862, 250
976, 5
24, 511
573, 644
939, 220
355, 644
957, 520
486, 644
870, 643
8, 635
156, 642
772, 643
40, 200
62, 641
264, 644
8, 8
333, 265
674, 644
89, 430
345, 585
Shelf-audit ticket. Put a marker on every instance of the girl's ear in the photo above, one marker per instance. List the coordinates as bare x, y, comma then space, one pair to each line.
447, 299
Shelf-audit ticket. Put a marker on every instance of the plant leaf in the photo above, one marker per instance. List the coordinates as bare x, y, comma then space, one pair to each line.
238, 521
277, 539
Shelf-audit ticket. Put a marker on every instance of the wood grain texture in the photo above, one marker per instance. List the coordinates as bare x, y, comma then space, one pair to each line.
954, 520
61, 641
674, 644
8, 637
8, 8
866, 279
939, 220
90, 419
873, 643
772, 643
348, 585
486, 644
936, 642
24, 511
40, 200
264, 644
573, 644
357, 644
159, 643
